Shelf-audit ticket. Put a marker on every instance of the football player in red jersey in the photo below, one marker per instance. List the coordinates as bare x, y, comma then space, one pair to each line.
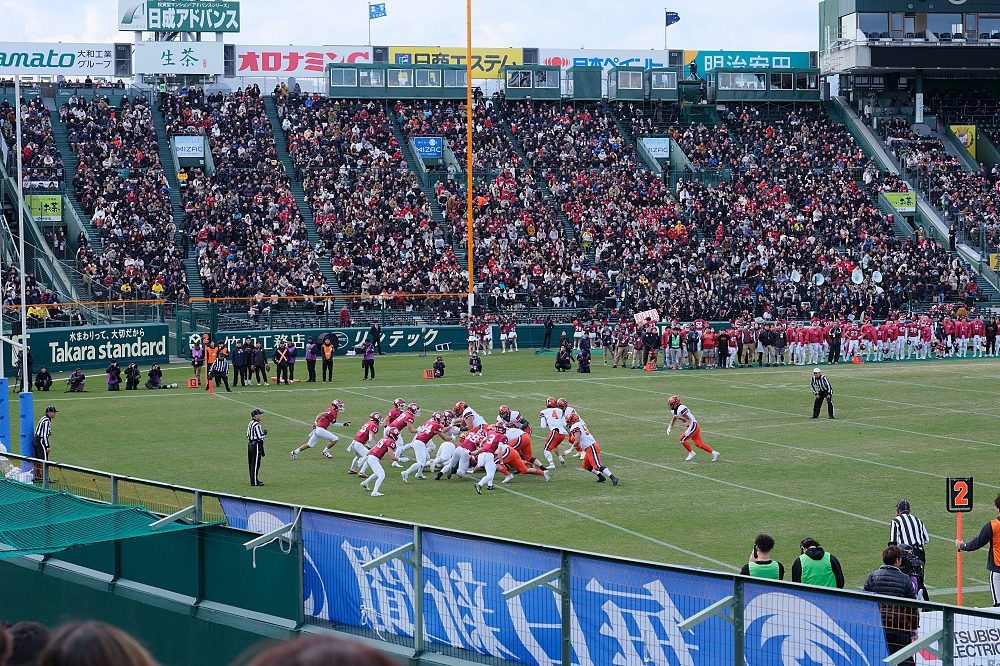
323, 421
485, 456
359, 445
422, 443
374, 459
404, 423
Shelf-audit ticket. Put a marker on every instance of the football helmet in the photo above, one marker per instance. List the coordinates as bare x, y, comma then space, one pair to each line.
572, 418
376, 417
399, 404
338, 405
392, 433
550, 403
460, 407
413, 408
674, 402
562, 403
504, 412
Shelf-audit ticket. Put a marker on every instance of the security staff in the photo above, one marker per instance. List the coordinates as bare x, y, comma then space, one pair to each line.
220, 370
281, 362
328, 351
43, 380
255, 446
989, 536
823, 391
40, 442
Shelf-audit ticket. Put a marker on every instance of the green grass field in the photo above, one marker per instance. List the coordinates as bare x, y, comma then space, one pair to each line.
901, 429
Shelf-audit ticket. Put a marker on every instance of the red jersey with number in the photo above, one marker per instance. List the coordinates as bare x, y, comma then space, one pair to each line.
383, 447
492, 442
402, 421
367, 430
428, 430
326, 418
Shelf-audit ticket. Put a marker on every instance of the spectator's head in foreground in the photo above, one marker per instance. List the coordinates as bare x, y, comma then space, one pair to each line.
94, 644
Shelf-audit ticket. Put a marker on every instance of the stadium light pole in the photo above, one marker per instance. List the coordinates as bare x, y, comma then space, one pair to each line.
20, 223
469, 154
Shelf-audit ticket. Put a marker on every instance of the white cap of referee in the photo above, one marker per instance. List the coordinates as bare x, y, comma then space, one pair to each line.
817, 371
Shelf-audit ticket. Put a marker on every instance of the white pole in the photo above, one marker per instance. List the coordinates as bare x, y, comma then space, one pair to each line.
20, 227
665, 33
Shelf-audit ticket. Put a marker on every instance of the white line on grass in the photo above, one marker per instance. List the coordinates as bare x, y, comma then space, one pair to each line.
577, 513
623, 529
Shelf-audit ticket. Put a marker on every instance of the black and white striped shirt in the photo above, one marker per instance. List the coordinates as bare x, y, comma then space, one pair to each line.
821, 385
908, 530
43, 430
220, 366
255, 433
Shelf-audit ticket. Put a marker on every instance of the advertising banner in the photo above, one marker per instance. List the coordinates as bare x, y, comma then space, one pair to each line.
45, 207
977, 640
189, 146
709, 60
65, 349
54, 59
918, 108
296, 60
966, 135
606, 58
657, 148
429, 147
486, 62
179, 57
904, 202
179, 15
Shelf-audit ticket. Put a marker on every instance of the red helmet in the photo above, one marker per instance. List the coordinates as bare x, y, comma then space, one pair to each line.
572, 418
460, 407
375, 416
550, 402
504, 412
500, 428
392, 433
562, 403
399, 404
413, 408
674, 402
438, 417
449, 415
338, 405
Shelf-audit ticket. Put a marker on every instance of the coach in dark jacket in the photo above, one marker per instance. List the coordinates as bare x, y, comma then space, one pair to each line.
241, 360
258, 363
899, 622
650, 343
376, 335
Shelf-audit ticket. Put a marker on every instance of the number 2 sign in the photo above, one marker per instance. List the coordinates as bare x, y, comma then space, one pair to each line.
960, 495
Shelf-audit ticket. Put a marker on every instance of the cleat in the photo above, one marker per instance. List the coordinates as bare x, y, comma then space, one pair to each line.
562, 460
479, 491
600, 478
326, 453
406, 477
715, 456
351, 471
395, 463
362, 475
548, 477
295, 454
489, 487
507, 479
437, 477
449, 475
421, 476
378, 494
614, 480
689, 457
365, 485
551, 466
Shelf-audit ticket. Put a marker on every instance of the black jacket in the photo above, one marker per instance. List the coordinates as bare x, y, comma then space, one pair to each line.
240, 357
891, 582
258, 359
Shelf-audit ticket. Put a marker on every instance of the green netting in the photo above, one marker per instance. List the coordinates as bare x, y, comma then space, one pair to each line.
36, 521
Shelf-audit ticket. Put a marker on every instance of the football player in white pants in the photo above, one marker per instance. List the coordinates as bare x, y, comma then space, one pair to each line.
459, 463
424, 442
486, 457
359, 445
374, 460
324, 420
447, 448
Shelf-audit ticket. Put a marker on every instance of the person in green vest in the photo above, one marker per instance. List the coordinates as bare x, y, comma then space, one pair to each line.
761, 565
817, 567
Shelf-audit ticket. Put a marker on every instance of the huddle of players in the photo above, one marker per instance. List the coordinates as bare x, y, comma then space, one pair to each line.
466, 441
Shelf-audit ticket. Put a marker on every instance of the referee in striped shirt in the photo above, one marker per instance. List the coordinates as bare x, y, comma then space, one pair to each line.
823, 391
40, 441
220, 370
255, 446
908, 530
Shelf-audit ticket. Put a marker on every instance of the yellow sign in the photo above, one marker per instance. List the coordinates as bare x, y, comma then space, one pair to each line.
904, 202
45, 207
966, 135
486, 62
995, 262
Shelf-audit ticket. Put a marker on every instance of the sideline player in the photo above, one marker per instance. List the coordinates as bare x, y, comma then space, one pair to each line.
423, 442
591, 449
360, 444
507, 455
324, 420
554, 421
692, 432
373, 459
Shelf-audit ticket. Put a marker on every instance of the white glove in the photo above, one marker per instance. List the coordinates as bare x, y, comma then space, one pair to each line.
668, 429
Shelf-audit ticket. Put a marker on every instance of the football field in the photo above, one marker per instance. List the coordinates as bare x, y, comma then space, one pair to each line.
901, 429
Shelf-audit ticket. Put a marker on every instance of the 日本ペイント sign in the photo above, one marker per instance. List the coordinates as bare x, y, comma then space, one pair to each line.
179, 15
44, 58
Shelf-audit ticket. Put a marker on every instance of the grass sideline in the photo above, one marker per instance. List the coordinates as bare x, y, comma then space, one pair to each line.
901, 429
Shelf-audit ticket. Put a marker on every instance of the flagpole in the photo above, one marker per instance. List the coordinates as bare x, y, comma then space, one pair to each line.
665, 32
469, 155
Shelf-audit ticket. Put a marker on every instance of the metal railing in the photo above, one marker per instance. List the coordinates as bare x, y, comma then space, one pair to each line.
429, 590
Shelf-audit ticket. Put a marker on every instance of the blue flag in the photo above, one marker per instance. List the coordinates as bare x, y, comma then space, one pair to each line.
673, 17
376, 11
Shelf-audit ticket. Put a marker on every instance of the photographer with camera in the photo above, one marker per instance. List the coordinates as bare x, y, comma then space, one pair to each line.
909, 533
76, 381
760, 564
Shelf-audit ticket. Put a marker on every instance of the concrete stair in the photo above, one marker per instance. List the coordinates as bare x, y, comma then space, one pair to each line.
195, 289
305, 210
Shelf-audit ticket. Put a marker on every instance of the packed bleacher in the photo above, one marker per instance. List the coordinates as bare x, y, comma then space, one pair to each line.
121, 185
42, 163
250, 238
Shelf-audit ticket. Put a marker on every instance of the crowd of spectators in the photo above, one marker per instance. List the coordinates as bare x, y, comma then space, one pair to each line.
121, 185
249, 237
41, 159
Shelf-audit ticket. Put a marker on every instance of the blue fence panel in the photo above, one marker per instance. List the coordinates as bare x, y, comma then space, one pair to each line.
338, 590
785, 626
464, 607
625, 614
254, 516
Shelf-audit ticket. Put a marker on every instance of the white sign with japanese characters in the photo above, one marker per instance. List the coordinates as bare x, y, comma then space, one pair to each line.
53, 59
179, 58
